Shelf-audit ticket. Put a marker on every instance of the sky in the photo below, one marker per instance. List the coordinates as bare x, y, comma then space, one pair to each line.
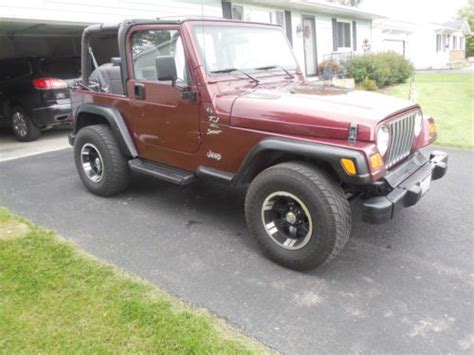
420, 10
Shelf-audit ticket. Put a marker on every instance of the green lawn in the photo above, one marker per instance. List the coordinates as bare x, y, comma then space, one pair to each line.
449, 98
56, 299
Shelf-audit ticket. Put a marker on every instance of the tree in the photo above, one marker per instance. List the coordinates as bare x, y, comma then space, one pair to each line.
347, 2
467, 13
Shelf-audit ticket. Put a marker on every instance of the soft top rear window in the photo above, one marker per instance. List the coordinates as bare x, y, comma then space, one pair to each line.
64, 68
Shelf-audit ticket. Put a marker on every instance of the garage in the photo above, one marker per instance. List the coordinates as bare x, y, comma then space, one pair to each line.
38, 62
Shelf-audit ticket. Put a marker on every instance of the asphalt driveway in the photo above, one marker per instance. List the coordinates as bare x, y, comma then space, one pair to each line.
406, 286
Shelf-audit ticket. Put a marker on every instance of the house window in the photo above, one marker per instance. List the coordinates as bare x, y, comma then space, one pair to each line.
280, 18
455, 42
343, 34
237, 12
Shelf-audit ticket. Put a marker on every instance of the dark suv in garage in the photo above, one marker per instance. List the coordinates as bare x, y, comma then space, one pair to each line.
34, 94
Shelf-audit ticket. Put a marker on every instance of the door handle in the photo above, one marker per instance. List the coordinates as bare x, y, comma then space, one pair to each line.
139, 91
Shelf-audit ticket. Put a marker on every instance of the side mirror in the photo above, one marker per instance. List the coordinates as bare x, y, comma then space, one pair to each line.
166, 68
116, 61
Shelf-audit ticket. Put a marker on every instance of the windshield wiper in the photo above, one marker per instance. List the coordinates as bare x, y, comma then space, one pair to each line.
269, 67
233, 70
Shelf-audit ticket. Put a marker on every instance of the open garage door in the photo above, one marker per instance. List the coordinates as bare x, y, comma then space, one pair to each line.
33, 39
39, 62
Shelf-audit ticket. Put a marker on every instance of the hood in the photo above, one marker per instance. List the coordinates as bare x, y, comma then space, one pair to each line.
314, 110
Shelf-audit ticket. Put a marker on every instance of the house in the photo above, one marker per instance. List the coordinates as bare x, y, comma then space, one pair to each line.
317, 30
426, 45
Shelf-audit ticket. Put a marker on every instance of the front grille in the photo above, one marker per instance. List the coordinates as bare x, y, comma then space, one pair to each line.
401, 139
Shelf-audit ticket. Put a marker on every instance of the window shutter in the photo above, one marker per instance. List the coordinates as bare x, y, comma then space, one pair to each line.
227, 9
289, 28
334, 35
354, 35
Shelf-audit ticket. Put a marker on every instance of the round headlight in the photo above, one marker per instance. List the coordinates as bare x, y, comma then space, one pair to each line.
383, 138
418, 123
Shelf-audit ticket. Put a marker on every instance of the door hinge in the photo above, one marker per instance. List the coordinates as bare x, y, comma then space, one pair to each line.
196, 136
189, 96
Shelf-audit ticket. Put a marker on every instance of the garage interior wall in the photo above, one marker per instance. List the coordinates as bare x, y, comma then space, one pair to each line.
39, 46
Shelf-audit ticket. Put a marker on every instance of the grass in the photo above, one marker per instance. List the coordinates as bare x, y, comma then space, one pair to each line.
449, 98
56, 299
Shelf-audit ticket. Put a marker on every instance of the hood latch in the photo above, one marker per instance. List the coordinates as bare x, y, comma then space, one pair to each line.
353, 128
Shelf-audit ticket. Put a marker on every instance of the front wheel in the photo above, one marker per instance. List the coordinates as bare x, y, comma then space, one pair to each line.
298, 214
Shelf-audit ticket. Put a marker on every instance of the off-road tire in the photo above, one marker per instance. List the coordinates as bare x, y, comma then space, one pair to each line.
325, 201
28, 131
116, 173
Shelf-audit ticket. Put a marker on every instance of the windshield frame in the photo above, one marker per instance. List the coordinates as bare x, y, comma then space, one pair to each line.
235, 75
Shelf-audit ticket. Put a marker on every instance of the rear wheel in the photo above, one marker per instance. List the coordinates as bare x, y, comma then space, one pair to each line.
22, 126
99, 161
299, 216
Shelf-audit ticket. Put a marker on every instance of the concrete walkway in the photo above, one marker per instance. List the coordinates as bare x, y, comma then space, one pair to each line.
49, 141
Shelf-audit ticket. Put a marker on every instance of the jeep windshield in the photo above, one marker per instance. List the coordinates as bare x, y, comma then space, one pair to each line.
226, 49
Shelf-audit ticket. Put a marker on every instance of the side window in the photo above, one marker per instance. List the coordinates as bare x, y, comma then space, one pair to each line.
237, 12
14, 70
344, 34
3, 71
21, 69
148, 45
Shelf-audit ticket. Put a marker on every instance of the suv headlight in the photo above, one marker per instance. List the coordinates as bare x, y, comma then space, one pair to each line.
383, 138
418, 123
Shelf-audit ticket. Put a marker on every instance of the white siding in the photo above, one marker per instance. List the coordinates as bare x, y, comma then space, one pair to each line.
364, 32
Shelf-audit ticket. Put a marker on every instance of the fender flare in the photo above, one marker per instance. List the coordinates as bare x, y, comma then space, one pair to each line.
258, 157
115, 120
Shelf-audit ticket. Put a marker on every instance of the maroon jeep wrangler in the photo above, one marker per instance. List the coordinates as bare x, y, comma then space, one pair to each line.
182, 100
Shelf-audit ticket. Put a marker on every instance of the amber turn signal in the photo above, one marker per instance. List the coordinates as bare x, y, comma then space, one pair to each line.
349, 166
376, 161
432, 128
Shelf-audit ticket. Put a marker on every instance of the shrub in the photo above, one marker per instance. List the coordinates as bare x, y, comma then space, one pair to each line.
383, 68
367, 84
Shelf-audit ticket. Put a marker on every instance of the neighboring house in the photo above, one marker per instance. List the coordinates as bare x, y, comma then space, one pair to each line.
317, 30
426, 45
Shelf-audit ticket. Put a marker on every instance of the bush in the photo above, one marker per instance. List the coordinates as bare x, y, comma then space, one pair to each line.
383, 68
367, 84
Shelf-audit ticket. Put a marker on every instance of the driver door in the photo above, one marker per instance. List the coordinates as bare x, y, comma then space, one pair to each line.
163, 113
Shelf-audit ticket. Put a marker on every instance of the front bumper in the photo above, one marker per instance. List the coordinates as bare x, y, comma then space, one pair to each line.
54, 115
408, 183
